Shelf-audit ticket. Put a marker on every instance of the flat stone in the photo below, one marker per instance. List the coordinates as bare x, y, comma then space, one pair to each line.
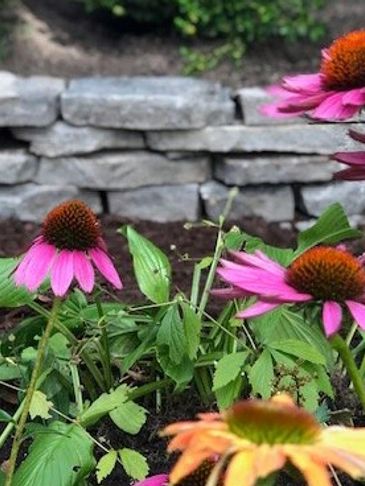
158, 203
17, 165
146, 103
275, 169
31, 202
307, 139
122, 170
32, 101
350, 194
250, 101
62, 139
272, 204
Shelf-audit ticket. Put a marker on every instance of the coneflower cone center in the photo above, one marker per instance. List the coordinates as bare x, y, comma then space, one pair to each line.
72, 226
328, 274
272, 423
200, 476
343, 67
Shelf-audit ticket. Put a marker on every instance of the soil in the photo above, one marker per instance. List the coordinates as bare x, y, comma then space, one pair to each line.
57, 38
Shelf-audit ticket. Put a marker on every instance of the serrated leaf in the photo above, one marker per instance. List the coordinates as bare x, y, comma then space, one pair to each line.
10, 294
228, 368
299, 349
129, 417
106, 465
261, 375
181, 373
310, 396
40, 406
192, 329
104, 405
62, 456
135, 465
227, 394
332, 227
171, 335
151, 267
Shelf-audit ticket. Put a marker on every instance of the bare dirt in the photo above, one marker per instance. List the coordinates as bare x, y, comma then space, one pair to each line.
57, 38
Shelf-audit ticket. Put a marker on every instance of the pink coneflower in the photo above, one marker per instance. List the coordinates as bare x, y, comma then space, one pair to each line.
331, 276
356, 161
198, 477
336, 92
68, 245
159, 480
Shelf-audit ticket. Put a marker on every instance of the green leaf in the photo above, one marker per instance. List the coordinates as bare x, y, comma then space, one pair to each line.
9, 371
283, 256
135, 465
10, 295
171, 334
227, 394
331, 228
228, 368
299, 349
151, 267
62, 456
106, 465
181, 373
103, 405
5, 417
129, 417
261, 375
40, 406
192, 329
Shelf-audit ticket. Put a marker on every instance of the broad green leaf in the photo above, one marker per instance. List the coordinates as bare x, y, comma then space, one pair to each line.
299, 349
62, 456
5, 417
151, 267
171, 334
228, 368
129, 417
229, 393
261, 375
181, 373
310, 396
283, 256
106, 465
135, 465
192, 329
40, 406
103, 405
2, 478
10, 295
9, 371
331, 228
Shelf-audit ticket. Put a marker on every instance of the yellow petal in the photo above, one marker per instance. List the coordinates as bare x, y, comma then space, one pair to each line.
187, 463
316, 474
345, 438
351, 463
268, 459
241, 470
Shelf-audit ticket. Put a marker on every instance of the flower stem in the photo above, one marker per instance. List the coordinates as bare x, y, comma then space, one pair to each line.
30, 392
348, 360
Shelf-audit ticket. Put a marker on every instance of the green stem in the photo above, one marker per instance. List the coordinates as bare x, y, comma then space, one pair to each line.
348, 360
77, 387
7, 431
30, 392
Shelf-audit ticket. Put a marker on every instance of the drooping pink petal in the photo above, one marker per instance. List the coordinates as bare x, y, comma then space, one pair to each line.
230, 293
159, 480
84, 271
303, 83
359, 137
350, 158
332, 108
355, 97
332, 317
274, 110
358, 312
351, 174
105, 266
257, 309
36, 264
62, 272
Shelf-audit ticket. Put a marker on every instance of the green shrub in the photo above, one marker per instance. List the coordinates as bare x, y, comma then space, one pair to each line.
238, 23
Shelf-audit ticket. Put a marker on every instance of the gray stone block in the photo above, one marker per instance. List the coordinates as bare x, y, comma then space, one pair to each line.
30, 202
275, 169
306, 139
17, 165
32, 101
270, 203
251, 100
351, 194
146, 103
62, 139
157, 203
122, 170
